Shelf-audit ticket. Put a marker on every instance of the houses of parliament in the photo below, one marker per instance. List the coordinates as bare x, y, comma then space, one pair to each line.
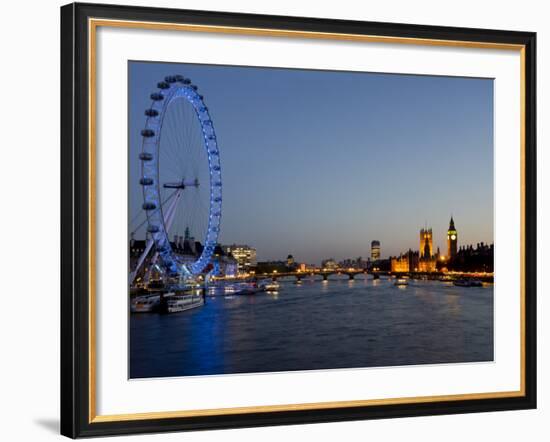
425, 260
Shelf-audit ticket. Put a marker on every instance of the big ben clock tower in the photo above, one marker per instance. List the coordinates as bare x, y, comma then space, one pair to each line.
452, 240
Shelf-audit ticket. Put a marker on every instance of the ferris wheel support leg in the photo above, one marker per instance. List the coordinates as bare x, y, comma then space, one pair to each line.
168, 220
148, 246
153, 262
171, 211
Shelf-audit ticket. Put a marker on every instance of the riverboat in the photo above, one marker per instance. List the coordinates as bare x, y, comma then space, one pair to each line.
249, 291
145, 304
271, 286
178, 302
468, 283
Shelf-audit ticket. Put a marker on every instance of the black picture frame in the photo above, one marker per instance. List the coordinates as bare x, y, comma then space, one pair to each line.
75, 221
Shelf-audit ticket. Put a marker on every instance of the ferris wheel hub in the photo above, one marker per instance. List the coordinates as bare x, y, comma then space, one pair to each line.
182, 184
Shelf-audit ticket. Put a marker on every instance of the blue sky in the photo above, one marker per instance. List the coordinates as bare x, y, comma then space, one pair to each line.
320, 163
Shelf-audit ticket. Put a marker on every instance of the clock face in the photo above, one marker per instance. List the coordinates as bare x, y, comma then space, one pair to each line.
453, 237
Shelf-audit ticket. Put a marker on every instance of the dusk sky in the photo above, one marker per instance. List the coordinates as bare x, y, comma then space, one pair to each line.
320, 163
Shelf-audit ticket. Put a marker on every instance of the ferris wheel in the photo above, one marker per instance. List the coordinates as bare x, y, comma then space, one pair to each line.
180, 176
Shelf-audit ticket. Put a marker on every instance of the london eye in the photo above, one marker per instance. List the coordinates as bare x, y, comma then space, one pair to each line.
180, 178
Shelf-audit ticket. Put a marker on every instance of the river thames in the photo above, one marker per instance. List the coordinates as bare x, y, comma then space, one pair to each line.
317, 325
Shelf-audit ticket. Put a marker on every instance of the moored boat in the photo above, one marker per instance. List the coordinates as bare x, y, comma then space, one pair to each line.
249, 289
145, 304
273, 286
468, 283
179, 302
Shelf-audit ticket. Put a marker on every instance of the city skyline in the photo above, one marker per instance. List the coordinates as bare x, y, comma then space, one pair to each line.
319, 164
441, 250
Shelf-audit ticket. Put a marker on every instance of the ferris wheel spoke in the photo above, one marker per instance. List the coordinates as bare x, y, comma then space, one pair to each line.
172, 144
173, 156
164, 201
172, 141
167, 158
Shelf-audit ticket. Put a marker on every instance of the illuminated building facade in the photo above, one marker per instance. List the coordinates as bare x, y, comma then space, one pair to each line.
329, 264
400, 264
375, 250
426, 242
244, 255
357, 263
406, 262
427, 261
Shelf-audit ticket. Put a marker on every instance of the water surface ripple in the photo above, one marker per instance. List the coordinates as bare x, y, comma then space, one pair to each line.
317, 325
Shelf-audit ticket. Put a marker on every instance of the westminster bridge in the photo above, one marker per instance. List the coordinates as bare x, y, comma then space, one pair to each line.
324, 275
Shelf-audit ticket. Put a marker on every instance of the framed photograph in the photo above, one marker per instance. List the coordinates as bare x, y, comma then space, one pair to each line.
278, 220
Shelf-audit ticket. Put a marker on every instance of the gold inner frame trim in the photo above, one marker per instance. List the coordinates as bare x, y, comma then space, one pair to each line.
93, 24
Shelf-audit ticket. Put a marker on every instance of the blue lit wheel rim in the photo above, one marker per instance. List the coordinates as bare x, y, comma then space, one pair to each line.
172, 89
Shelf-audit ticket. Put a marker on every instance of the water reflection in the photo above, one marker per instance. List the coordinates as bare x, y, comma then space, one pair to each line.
453, 303
317, 325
